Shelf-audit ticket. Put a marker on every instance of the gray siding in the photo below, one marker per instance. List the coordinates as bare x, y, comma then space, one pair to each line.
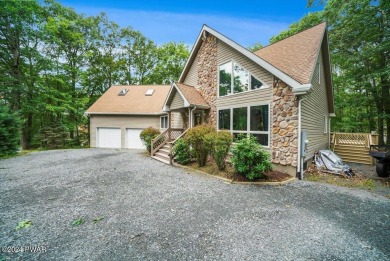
192, 76
122, 122
177, 120
177, 101
314, 108
226, 54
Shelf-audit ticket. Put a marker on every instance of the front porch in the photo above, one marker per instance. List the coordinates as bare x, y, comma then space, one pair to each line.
186, 109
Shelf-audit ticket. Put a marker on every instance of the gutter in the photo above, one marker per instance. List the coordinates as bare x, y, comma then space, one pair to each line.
303, 89
125, 113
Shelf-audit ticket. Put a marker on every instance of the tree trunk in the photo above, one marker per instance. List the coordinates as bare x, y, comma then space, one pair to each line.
386, 105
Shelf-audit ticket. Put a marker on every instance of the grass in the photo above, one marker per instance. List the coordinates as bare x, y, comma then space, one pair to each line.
24, 224
358, 181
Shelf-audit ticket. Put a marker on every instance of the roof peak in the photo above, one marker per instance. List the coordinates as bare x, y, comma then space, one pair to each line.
303, 31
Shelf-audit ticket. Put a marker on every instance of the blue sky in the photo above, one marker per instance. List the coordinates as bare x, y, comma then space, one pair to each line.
245, 22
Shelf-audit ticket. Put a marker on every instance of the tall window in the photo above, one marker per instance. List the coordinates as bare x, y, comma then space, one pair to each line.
164, 122
224, 119
252, 120
233, 78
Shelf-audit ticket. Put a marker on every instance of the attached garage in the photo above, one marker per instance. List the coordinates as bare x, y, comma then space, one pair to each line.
133, 139
108, 138
119, 116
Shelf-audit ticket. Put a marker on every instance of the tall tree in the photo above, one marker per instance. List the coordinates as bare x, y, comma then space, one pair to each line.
20, 37
171, 58
359, 34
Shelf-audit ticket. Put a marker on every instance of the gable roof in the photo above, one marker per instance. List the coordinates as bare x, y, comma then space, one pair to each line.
269, 67
189, 94
296, 55
299, 84
133, 102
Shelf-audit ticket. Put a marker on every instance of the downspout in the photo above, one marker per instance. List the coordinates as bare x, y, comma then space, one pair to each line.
330, 148
191, 112
300, 161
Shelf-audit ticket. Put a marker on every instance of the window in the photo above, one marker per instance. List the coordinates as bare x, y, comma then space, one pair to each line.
240, 78
233, 78
240, 117
164, 122
224, 119
225, 79
149, 92
252, 120
255, 84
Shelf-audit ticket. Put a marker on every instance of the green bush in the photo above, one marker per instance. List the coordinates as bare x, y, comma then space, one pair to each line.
196, 137
250, 159
182, 151
147, 135
219, 143
9, 132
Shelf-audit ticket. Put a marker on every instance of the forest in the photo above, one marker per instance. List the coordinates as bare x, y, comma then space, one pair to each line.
55, 62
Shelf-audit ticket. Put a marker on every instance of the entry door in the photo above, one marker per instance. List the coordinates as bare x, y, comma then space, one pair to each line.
109, 138
198, 118
133, 139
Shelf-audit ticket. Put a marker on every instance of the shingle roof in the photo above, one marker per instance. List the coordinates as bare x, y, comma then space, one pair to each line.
191, 95
297, 54
134, 102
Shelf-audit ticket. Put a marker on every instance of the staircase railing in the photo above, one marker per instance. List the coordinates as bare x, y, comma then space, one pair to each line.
159, 141
165, 137
172, 144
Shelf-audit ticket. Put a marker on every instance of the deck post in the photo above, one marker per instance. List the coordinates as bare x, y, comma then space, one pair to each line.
170, 153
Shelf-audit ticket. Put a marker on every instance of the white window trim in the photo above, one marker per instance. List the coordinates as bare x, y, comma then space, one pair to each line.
232, 81
167, 123
248, 131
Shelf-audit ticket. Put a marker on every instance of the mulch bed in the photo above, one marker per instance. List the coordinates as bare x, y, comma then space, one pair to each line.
229, 173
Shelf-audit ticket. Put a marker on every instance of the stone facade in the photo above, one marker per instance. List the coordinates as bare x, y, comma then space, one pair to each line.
285, 125
207, 76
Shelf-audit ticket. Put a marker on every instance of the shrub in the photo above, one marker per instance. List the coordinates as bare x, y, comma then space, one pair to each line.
250, 159
196, 137
147, 135
182, 151
9, 132
219, 143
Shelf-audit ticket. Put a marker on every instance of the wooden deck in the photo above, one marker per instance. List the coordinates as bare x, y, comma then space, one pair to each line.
354, 147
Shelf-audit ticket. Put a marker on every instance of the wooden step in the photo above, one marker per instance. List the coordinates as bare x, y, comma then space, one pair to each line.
156, 157
357, 149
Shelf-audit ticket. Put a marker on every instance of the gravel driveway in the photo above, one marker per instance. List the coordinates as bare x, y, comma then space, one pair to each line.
146, 210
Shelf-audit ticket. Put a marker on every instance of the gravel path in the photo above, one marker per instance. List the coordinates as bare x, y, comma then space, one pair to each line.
153, 211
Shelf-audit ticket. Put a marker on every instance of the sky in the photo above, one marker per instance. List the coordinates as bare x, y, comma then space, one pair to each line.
246, 22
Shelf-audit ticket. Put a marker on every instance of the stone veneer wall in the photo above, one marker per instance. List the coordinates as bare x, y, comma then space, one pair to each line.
207, 76
285, 125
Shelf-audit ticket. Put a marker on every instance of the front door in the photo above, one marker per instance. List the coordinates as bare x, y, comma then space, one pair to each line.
198, 118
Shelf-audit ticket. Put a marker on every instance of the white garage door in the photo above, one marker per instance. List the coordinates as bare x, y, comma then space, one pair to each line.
133, 139
108, 138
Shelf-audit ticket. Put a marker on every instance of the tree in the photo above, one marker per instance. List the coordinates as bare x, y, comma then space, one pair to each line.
9, 132
358, 38
171, 58
21, 61
255, 47
310, 20
139, 57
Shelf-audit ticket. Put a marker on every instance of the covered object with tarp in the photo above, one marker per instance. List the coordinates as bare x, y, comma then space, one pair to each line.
330, 162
